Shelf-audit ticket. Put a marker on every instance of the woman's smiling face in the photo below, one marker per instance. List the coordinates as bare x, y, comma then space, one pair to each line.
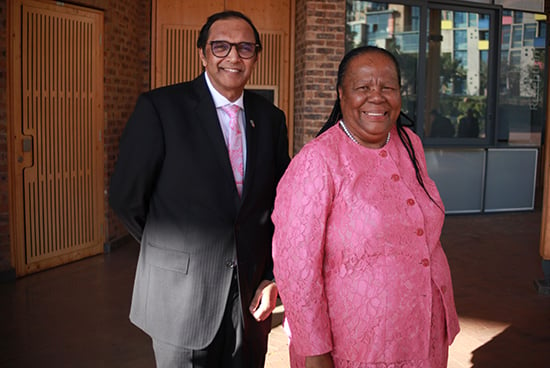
370, 97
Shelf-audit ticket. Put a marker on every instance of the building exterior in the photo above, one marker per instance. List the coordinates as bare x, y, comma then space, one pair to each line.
445, 53
487, 56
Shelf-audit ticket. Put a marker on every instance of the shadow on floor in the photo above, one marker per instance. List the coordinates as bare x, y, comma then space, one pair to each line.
77, 315
494, 261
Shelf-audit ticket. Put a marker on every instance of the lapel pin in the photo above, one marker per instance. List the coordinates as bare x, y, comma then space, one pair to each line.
252, 123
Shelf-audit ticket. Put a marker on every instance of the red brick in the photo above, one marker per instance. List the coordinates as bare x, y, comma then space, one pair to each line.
319, 48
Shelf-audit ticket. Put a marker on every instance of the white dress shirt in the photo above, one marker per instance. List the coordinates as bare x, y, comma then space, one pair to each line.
223, 117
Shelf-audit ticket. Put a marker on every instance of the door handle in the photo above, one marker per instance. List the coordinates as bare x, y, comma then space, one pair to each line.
25, 155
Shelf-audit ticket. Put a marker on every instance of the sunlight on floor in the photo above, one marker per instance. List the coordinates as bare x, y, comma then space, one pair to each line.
277, 350
473, 334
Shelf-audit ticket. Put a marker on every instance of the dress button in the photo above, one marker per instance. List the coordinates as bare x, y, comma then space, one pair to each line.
425, 262
419, 232
395, 177
411, 202
383, 153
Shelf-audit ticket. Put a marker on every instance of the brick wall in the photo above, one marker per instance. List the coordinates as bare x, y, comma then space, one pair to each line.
320, 29
127, 64
127, 25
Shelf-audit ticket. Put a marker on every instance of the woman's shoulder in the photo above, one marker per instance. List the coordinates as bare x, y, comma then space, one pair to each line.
323, 146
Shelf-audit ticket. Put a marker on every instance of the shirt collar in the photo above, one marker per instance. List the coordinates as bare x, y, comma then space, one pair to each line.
219, 99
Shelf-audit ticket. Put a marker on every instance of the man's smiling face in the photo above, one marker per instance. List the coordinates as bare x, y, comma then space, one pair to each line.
229, 74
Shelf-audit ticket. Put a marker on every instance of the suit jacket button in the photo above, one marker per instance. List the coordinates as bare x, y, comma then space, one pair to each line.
230, 263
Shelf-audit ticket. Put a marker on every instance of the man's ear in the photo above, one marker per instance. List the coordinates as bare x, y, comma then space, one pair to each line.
202, 55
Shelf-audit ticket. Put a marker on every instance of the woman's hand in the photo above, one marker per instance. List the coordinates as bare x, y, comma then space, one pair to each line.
319, 361
264, 301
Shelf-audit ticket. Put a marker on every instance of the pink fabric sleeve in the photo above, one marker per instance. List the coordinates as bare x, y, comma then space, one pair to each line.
302, 205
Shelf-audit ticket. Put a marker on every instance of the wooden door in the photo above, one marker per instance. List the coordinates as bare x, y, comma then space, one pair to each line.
55, 125
176, 25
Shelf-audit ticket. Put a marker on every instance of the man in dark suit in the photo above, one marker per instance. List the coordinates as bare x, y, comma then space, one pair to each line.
204, 287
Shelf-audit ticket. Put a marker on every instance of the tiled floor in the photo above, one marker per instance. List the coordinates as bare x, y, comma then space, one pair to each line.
77, 315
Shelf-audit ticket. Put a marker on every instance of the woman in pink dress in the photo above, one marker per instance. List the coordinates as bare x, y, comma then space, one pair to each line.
358, 261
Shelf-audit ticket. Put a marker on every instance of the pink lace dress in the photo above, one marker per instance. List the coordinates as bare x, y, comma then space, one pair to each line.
357, 257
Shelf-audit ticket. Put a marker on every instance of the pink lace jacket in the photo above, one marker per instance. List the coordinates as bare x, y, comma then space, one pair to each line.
356, 251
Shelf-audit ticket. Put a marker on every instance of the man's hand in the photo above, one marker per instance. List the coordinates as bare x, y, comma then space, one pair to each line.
264, 300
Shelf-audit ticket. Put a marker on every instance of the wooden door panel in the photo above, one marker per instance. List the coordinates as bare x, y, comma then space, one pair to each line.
59, 200
266, 14
178, 54
175, 27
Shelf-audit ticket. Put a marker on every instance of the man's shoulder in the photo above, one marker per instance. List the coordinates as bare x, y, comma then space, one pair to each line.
177, 93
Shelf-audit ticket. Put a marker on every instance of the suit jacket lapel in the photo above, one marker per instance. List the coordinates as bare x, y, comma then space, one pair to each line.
208, 118
251, 118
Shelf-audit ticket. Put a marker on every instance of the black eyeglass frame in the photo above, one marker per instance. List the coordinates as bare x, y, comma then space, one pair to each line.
237, 47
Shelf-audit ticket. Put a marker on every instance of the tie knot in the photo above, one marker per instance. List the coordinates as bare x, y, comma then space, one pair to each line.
231, 110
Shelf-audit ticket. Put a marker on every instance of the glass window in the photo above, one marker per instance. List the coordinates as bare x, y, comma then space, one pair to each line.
394, 27
515, 57
461, 57
484, 21
415, 20
529, 32
460, 40
460, 19
520, 110
505, 43
484, 35
472, 20
504, 56
484, 57
457, 81
378, 25
518, 17
542, 29
517, 36
458, 68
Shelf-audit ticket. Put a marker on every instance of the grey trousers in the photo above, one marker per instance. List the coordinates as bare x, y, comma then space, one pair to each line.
225, 351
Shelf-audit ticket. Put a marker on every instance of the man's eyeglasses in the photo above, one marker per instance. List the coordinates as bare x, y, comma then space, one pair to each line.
221, 49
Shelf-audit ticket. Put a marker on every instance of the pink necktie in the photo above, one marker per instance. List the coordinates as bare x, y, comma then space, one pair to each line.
235, 145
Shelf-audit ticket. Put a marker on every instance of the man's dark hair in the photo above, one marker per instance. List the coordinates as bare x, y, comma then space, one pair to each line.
229, 14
